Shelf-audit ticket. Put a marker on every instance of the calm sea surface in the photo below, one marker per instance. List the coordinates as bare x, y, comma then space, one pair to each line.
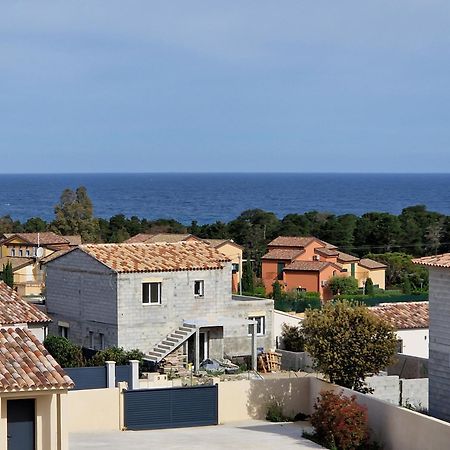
210, 197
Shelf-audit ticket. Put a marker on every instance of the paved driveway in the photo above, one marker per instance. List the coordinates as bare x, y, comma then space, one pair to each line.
243, 435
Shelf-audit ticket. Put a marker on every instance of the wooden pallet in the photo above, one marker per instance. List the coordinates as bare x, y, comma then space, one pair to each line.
269, 362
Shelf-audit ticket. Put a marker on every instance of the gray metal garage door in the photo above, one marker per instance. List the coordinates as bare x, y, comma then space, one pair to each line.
21, 424
147, 409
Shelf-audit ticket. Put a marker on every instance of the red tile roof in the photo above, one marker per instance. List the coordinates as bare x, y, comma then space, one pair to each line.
158, 257
326, 251
145, 238
282, 254
371, 264
216, 243
26, 365
15, 310
434, 261
404, 315
346, 258
45, 238
292, 241
310, 266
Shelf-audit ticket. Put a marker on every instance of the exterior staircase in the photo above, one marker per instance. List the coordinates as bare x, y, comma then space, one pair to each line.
171, 342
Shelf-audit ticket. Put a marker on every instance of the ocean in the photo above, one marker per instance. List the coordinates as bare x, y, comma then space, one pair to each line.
221, 197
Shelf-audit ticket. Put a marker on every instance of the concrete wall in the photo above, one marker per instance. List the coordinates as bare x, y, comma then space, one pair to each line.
296, 361
415, 342
439, 345
94, 410
396, 428
415, 392
249, 399
82, 293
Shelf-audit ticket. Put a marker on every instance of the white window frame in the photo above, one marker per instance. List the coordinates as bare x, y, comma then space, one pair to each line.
260, 326
63, 331
201, 284
148, 301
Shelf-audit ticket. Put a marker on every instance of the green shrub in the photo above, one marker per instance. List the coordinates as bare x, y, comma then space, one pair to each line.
293, 339
340, 422
66, 353
117, 354
275, 413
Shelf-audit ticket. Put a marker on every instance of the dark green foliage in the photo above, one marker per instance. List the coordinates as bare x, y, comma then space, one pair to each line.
277, 293
117, 354
65, 352
7, 274
348, 343
368, 287
298, 302
293, 339
383, 297
275, 413
342, 285
248, 278
406, 286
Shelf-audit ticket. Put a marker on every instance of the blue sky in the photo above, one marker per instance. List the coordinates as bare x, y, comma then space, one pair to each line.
302, 86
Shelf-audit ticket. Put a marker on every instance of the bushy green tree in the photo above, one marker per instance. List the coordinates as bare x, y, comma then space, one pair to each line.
342, 285
248, 278
7, 274
74, 215
348, 343
293, 339
117, 354
368, 287
277, 293
66, 353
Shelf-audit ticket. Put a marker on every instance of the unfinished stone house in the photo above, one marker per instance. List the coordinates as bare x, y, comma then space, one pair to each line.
157, 297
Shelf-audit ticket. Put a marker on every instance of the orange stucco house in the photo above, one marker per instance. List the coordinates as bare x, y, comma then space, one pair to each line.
301, 263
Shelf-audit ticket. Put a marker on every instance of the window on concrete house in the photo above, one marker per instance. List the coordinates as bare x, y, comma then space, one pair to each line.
260, 325
63, 331
102, 341
280, 267
235, 267
199, 288
91, 339
151, 293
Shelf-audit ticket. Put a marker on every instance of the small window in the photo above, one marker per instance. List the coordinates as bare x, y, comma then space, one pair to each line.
63, 331
20, 252
260, 325
316, 258
27, 252
102, 341
12, 252
199, 288
151, 293
91, 339
235, 267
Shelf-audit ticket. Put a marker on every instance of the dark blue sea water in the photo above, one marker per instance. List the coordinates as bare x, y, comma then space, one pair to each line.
210, 197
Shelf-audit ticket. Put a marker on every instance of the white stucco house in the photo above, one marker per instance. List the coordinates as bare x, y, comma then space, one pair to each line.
157, 297
411, 322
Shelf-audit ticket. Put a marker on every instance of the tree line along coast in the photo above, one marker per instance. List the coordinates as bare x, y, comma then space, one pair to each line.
388, 238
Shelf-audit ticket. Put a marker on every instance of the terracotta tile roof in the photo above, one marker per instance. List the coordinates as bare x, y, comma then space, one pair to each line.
434, 261
159, 237
26, 365
291, 241
404, 315
310, 266
16, 262
326, 251
73, 240
45, 238
219, 242
158, 257
15, 310
371, 264
345, 257
54, 255
283, 254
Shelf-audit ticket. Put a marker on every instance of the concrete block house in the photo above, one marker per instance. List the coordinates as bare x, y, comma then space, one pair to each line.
439, 332
157, 297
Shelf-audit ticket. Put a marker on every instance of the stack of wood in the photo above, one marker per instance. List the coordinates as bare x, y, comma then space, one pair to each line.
269, 362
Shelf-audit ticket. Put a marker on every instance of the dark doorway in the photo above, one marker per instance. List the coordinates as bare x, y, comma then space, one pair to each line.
21, 424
